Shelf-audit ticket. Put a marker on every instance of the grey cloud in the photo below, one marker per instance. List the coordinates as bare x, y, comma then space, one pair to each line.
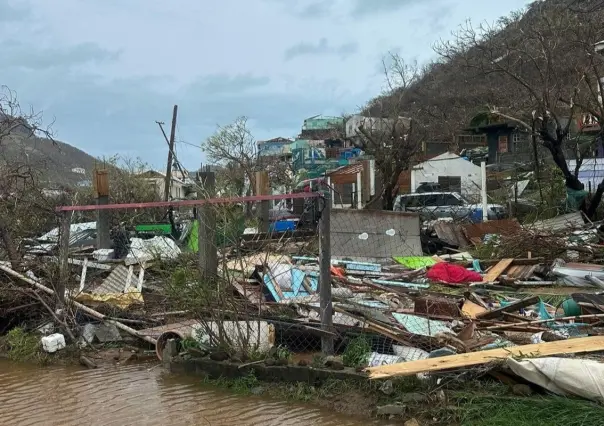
11, 13
305, 9
219, 84
321, 48
366, 8
118, 117
315, 10
14, 53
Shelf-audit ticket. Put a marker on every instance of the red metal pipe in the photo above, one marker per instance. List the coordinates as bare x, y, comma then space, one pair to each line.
188, 203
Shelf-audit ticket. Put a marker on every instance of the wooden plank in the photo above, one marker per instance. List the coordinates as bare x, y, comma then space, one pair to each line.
571, 346
497, 270
471, 309
83, 274
189, 203
509, 308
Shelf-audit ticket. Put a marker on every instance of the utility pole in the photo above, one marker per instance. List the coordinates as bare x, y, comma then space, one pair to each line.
170, 155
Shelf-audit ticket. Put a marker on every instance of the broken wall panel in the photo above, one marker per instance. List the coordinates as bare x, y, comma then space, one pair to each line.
371, 234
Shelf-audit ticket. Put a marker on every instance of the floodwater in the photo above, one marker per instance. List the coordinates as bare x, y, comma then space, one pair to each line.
138, 395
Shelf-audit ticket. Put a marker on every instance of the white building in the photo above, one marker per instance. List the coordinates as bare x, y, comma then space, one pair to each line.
591, 172
158, 179
452, 172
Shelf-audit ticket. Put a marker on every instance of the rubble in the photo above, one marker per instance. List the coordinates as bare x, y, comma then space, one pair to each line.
488, 294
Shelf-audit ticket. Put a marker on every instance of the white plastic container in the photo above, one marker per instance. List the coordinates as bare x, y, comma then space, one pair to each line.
102, 255
53, 343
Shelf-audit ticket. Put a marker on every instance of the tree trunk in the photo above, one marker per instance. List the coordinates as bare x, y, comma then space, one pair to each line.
388, 196
9, 245
595, 202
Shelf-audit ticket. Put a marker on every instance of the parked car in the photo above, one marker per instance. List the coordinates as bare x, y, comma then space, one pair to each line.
428, 187
434, 205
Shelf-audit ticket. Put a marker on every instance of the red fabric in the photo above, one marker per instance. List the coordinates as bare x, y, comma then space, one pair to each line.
452, 274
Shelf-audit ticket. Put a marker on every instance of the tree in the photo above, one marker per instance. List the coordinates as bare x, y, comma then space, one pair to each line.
21, 196
543, 64
387, 134
235, 150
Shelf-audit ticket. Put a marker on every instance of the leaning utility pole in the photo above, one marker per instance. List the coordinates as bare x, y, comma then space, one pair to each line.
170, 154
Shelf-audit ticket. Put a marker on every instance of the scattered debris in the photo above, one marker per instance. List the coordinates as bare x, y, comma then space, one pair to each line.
54, 342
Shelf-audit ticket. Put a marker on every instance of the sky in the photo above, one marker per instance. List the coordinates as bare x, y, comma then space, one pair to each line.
106, 71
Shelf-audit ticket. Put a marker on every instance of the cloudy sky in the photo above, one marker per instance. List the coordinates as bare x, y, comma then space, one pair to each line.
106, 70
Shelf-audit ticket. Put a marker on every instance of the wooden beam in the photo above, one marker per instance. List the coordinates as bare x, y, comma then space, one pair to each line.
571, 346
509, 308
188, 203
497, 270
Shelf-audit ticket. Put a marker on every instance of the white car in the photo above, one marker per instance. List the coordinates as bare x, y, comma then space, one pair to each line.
434, 205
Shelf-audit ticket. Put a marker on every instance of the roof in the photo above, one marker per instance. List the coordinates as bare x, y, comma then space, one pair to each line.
157, 174
275, 140
351, 169
345, 174
447, 156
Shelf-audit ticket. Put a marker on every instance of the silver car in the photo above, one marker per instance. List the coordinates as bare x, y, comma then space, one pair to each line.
434, 205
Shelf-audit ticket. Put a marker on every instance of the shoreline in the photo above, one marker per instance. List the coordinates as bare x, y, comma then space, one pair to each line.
476, 401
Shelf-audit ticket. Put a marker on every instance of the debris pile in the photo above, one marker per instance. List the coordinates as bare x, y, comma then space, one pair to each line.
466, 309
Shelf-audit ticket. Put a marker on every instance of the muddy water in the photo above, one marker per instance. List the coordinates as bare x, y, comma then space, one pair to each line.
138, 395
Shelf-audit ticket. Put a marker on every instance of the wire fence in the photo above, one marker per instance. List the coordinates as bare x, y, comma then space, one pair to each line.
299, 282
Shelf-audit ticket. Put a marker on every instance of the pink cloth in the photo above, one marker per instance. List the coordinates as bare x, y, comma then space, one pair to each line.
452, 274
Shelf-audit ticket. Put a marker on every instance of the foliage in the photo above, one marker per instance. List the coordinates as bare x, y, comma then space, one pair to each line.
387, 135
240, 385
24, 346
126, 185
283, 354
483, 410
235, 150
357, 352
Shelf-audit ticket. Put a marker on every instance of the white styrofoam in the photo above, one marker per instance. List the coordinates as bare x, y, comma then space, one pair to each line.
53, 343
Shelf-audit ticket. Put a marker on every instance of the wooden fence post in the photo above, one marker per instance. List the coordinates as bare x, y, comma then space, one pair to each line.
327, 344
206, 237
101, 187
263, 188
64, 274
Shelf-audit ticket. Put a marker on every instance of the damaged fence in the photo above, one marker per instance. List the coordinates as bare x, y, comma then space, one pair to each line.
290, 278
222, 282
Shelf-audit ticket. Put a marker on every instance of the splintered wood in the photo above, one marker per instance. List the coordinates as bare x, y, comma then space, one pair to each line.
497, 270
571, 346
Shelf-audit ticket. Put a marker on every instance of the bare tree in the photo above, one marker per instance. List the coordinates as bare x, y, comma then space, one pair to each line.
234, 148
544, 66
387, 134
20, 193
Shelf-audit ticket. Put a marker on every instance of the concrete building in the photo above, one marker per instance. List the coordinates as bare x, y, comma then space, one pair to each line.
158, 179
452, 172
372, 124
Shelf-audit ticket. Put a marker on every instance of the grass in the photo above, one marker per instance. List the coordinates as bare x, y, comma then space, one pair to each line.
357, 352
467, 403
487, 410
22, 346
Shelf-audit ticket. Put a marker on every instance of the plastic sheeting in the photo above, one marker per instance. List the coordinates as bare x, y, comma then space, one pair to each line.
563, 376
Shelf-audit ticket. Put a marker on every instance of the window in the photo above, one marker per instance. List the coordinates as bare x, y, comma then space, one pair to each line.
411, 201
430, 200
518, 142
450, 183
451, 200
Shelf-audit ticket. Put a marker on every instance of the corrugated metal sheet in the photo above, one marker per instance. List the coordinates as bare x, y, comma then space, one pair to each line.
450, 233
115, 282
559, 223
501, 227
